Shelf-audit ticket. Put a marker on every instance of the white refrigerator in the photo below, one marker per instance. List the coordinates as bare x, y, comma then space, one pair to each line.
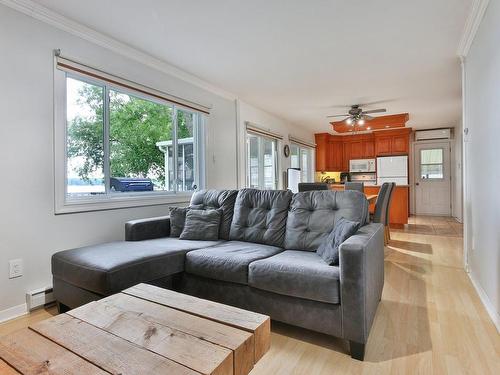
392, 169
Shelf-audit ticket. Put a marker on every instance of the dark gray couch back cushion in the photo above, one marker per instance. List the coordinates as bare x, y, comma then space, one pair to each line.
260, 216
313, 215
214, 199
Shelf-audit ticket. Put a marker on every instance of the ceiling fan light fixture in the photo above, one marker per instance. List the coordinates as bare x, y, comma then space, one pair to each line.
348, 121
361, 122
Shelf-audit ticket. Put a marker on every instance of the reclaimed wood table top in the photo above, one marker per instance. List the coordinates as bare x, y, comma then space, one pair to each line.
143, 330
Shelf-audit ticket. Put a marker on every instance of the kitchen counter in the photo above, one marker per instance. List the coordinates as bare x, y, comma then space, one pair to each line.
399, 210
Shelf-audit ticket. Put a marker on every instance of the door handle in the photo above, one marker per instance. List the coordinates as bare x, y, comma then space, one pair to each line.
416, 183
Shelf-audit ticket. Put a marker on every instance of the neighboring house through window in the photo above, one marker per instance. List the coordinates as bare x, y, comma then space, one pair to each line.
122, 144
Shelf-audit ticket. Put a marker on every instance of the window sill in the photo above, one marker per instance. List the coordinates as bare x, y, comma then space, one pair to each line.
113, 203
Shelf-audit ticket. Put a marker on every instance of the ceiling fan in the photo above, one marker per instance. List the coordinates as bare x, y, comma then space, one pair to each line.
356, 115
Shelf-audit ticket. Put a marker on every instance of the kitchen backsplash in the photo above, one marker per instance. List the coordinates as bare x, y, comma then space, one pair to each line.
318, 176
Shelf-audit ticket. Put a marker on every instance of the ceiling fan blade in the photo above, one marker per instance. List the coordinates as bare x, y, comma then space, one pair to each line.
374, 111
344, 115
363, 103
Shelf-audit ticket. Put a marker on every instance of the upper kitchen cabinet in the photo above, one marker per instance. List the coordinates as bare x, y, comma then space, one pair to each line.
333, 152
369, 148
322, 147
336, 151
392, 142
329, 152
383, 145
356, 150
359, 146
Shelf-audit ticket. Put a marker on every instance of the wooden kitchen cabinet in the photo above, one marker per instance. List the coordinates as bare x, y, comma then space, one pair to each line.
337, 154
400, 144
392, 142
329, 152
360, 146
333, 152
383, 146
322, 148
346, 156
369, 149
357, 149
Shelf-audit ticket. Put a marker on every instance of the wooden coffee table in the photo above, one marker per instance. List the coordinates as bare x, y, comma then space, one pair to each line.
143, 330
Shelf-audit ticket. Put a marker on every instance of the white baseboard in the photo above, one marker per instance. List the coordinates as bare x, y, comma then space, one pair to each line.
495, 317
13, 312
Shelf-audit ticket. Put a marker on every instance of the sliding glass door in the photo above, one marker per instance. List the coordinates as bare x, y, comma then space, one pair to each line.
262, 163
301, 157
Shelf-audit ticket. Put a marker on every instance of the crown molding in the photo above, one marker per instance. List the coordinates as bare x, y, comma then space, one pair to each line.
471, 26
44, 14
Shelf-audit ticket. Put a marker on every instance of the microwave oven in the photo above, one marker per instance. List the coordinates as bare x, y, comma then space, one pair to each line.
362, 165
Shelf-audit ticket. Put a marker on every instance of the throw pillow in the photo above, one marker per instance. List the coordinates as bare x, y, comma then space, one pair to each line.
202, 225
329, 248
178, 217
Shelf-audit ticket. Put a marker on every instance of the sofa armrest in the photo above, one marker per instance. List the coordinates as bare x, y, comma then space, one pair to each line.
361, 280
146, 229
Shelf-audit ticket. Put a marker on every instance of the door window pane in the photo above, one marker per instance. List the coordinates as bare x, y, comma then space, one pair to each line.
431, 163
139, 131
84, 143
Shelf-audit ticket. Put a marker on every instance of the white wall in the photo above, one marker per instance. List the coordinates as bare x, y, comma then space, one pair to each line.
247, 112
482, 118
28, 227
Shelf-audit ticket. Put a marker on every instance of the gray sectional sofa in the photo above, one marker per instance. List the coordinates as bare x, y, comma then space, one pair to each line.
265, 260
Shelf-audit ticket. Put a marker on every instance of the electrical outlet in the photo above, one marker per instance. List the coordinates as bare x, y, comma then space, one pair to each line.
15, 268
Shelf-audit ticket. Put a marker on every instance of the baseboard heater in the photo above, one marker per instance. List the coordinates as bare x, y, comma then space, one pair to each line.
39, 297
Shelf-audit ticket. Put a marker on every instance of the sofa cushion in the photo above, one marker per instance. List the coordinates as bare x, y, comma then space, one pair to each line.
228, 261
202, 225
224, 199
178, 218
328, 250
260, 216
313, 215
297, 273
111, 267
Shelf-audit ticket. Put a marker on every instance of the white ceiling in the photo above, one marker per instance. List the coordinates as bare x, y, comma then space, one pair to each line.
297, 58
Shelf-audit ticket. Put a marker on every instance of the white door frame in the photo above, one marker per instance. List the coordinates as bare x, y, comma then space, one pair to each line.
466, 141
414, 174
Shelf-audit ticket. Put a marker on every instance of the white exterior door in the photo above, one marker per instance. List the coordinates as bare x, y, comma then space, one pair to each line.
432, 179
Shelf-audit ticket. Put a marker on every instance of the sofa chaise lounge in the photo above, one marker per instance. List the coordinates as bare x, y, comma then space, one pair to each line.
265, 260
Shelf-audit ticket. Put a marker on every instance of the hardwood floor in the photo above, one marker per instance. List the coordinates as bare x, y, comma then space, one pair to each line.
24, 321
430, 319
